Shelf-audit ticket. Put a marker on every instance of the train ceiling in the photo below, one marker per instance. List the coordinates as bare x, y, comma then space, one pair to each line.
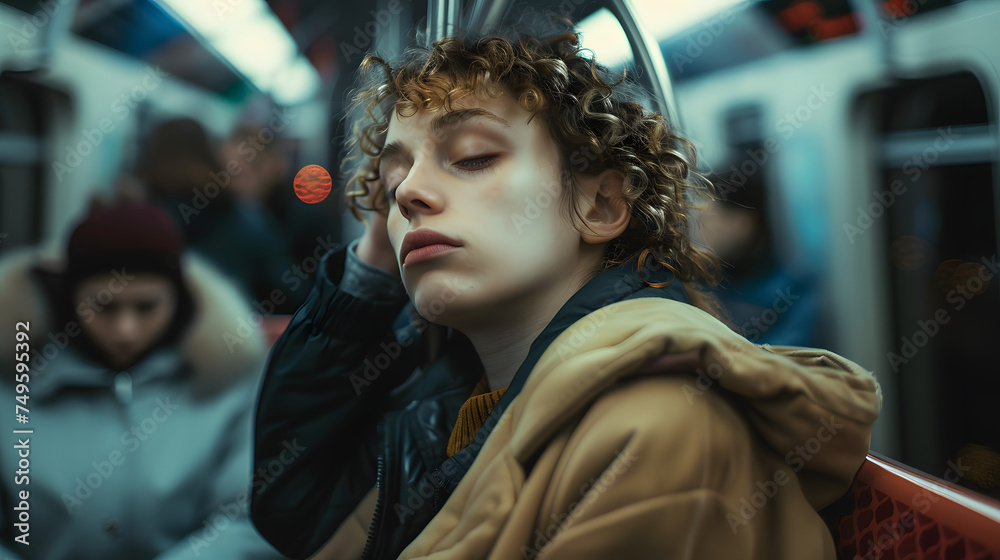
320, 29
142, 29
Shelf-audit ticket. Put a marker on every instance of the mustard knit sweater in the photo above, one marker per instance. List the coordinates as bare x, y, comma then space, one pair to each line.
472, 415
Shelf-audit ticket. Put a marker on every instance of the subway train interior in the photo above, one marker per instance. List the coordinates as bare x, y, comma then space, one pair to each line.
854, 147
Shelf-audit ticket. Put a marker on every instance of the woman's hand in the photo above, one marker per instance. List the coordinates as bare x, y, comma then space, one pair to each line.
374, 247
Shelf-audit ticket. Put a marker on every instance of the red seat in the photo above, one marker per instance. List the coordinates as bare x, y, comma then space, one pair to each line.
904, 514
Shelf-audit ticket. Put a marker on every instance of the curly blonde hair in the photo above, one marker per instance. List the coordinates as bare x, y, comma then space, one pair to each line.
591, 116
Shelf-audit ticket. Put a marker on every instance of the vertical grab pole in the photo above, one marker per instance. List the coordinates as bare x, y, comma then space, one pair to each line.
648, 56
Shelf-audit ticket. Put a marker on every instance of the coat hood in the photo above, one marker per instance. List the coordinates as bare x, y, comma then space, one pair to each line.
215, 360
789, 393
787, 396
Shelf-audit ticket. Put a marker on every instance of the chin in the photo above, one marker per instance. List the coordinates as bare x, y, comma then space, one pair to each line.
440, 308
441, 300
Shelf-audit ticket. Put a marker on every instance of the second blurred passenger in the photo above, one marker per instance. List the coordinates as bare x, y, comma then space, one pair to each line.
142, 379
186, 179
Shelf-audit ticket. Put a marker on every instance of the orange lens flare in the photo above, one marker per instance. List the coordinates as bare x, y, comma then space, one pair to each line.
312, 184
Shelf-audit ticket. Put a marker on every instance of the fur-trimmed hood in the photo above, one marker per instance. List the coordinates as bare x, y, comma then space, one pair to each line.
215, 361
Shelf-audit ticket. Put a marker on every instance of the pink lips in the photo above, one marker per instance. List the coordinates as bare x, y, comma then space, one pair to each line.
422, 244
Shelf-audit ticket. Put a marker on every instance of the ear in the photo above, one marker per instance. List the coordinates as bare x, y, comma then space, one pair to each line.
605, 210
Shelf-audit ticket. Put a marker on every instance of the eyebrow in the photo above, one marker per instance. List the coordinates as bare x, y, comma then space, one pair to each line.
454, 118
451, 119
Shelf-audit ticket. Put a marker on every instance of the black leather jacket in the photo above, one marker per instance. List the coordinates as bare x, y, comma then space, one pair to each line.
350, 383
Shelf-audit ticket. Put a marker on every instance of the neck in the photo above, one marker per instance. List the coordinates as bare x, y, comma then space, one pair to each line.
503, 341
502, 349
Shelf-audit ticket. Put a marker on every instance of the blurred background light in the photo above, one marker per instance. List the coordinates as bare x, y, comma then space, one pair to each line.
664, 18
251, 39
259, 49
295, 82
602, 34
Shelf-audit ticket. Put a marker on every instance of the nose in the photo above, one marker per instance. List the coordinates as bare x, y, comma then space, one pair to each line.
126, 325
418, 193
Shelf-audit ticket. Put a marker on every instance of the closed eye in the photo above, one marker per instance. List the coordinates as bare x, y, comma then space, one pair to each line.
145, 307
468, 166
477, 163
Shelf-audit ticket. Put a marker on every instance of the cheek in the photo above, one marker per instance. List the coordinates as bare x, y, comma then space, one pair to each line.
395, 229
160, 320
97, 328
531, 212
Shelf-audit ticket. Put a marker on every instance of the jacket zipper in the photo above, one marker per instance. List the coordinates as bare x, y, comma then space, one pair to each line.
379, 495
380, 489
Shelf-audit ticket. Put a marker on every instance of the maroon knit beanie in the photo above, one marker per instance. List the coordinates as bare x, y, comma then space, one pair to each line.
136, 236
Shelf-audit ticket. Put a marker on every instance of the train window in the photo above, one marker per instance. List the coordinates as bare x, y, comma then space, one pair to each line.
600, 30
937, 192
24, 113
603, 35
608, 28
750, 31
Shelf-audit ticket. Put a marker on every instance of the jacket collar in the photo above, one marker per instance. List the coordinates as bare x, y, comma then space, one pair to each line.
74, 370
615, 284
618, 283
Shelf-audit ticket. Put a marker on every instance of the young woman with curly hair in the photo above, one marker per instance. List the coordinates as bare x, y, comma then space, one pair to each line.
560, 385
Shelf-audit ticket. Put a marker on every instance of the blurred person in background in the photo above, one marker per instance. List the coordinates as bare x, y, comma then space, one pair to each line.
765, 301
265, 181
267, 166
143, 373
185, 178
